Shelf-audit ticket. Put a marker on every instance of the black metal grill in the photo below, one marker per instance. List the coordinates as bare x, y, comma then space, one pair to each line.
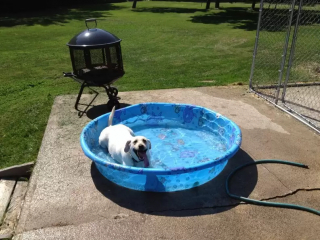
96, 61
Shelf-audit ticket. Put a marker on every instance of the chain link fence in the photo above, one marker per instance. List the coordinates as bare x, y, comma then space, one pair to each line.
286, 60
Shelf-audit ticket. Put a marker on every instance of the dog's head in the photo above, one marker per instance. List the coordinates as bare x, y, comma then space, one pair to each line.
138, 147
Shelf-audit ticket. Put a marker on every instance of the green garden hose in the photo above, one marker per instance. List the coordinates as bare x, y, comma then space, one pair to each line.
264, 203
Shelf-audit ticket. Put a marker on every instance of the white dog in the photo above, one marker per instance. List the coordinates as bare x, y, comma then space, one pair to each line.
124, 146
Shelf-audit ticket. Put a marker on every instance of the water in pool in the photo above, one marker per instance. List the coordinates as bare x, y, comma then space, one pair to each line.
176, 147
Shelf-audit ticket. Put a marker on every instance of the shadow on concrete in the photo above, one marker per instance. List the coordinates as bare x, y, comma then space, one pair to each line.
99, 110
294, 103
209, 198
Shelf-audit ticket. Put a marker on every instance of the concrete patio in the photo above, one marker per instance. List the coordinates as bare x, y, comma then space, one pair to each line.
67, 198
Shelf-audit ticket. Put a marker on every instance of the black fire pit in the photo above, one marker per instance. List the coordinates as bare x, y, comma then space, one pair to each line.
97, 62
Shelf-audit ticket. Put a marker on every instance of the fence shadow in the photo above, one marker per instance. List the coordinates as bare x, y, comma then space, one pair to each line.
209, 198
294, 100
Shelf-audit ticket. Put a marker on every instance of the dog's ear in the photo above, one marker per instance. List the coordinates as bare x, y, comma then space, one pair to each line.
149, 143
127, 147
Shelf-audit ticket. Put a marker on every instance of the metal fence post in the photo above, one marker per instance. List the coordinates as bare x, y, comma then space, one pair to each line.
256, 44
285, 48
292, 50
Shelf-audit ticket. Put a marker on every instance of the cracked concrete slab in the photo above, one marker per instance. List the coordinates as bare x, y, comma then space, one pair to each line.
69, 199
245, 221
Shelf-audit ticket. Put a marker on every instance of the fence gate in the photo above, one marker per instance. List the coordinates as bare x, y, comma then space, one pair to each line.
286, 59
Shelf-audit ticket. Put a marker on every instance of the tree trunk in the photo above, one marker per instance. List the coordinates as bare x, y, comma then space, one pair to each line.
217, 5
208, 4
253, 5
134, 4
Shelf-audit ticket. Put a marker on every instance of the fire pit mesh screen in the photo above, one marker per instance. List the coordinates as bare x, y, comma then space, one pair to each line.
113, 55
99, 65
97, 57
79, 61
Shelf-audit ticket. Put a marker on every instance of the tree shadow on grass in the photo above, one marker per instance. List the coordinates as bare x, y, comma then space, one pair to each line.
273, 20
56, 16
210, 198
241, 18
168, 10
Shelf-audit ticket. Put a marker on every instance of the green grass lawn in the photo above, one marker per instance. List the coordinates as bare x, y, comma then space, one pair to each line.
165, 45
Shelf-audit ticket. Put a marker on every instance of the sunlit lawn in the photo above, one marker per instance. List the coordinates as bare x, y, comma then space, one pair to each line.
165, 45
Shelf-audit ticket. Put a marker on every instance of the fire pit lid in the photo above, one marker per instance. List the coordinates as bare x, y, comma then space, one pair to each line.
93, 37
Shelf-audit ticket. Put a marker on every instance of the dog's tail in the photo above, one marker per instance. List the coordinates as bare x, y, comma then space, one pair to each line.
111, 116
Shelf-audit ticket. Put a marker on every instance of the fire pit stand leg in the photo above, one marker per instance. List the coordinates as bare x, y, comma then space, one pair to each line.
81, 112
83, 85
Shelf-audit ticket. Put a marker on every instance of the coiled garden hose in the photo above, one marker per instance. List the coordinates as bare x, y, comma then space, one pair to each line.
264, 203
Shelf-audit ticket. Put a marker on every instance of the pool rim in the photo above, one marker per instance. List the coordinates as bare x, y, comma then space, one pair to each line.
138, 170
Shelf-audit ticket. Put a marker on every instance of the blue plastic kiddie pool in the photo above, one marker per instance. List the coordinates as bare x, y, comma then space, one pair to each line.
190, 146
